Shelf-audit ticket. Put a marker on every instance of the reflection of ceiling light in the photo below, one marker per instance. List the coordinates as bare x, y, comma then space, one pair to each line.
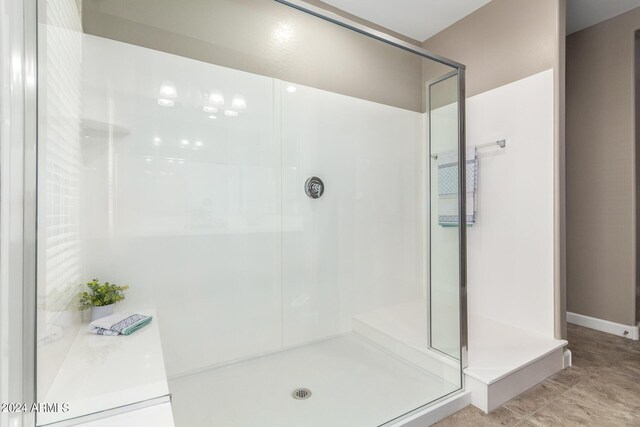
212, 117
291, 89
282, 32
230, 113
156, 141
209, 109
216, 98
198, 143
181, 161
168, 89
184, 142
170, 160
239, 102
147, 160
165, 102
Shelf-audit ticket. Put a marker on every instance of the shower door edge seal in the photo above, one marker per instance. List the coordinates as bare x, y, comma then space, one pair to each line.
30, 205
462, 154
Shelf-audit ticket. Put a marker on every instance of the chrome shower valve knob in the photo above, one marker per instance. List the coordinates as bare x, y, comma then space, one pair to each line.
314, 187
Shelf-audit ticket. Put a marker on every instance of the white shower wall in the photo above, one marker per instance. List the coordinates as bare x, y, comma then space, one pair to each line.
359, 247
207, 221
510, 247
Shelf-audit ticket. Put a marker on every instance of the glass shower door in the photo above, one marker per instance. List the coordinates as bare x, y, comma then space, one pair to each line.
265, 197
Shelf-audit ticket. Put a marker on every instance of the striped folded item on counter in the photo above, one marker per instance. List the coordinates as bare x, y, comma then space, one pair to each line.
119, 324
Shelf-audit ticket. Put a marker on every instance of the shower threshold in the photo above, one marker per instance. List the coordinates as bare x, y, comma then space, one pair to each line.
353, 383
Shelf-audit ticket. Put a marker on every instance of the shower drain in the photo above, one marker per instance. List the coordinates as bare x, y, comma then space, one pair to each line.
301, 393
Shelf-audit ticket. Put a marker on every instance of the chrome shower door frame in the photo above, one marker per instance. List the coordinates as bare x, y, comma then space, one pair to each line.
462, 205
18, 186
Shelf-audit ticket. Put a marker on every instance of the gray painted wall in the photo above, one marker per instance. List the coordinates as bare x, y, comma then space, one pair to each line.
601, 183
502, 42
268, 38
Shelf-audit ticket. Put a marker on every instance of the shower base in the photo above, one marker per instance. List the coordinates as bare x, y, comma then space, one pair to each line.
353, 383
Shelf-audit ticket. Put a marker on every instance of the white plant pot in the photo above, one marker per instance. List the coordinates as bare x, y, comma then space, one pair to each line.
64, 319
99, 312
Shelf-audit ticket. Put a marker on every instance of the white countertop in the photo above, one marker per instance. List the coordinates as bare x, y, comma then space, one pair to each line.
104, 372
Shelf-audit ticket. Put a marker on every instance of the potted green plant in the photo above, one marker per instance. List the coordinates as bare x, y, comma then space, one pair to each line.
101, 298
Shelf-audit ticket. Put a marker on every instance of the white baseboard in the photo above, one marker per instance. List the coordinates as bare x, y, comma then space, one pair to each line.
567, 361
631, 332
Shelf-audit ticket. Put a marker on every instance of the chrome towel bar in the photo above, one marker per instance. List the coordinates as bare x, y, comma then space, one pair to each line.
500, 143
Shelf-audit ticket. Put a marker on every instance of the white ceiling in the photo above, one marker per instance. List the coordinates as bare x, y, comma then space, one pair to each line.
418, 19
585, 13
421, 19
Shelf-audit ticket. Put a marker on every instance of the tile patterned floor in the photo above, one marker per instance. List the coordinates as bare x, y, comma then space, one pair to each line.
601, 389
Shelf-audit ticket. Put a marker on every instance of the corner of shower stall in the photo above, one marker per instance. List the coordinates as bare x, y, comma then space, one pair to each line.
280, 189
